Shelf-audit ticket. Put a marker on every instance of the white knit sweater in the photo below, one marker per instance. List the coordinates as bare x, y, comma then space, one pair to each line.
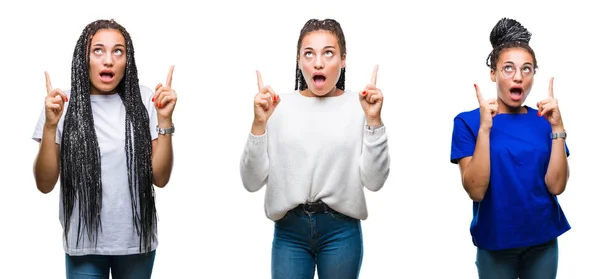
316, 148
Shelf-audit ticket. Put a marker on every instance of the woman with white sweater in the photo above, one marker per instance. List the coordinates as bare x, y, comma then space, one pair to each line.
316, 149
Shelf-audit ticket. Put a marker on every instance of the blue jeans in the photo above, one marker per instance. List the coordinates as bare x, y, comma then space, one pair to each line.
138, 266
331, 241
535, 262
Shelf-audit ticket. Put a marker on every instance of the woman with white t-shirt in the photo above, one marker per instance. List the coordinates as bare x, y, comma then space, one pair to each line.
108, 139
316, 149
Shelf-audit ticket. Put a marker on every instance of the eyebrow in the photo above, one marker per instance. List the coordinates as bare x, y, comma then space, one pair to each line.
526, 63
327, 47
116, 45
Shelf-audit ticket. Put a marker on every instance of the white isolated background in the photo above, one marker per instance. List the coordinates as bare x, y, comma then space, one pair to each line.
430, 53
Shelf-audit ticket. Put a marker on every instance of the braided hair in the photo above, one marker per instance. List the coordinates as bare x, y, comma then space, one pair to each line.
80, 178
332, 26
508, 33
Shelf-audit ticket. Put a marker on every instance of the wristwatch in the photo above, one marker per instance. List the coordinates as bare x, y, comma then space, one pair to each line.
166, 131
562, 135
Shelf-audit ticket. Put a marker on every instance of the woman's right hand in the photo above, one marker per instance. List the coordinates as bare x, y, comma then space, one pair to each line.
265, 102
487, 109
55, 101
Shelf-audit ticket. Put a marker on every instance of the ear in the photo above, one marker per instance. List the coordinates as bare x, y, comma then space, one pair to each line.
344, 61
493, 75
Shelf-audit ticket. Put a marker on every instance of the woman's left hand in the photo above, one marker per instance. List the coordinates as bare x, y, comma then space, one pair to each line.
371, 100
549, 108
165, 98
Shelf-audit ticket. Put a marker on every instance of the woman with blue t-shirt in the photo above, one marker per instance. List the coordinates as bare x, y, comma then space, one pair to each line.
108, 139
513, 164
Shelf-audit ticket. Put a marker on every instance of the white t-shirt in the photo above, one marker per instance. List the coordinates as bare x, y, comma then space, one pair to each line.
117, 235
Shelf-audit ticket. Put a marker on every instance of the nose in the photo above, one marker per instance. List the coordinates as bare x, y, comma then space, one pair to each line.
319, 62
518, 76
108, 60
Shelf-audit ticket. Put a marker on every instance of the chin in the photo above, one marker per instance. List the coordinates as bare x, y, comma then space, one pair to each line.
513, 104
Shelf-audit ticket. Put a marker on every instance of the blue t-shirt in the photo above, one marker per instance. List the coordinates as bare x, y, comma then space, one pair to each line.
517, 209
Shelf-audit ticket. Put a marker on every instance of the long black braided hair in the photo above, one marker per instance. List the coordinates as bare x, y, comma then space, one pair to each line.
335, 28
80, 177
508, 33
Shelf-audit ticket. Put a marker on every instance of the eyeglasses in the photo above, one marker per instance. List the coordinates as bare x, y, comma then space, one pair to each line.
509, 71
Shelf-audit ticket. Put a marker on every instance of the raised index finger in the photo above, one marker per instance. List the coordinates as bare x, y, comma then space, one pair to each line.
170, 76
48, 83
259, 80
374, 76
479, 97
551, 88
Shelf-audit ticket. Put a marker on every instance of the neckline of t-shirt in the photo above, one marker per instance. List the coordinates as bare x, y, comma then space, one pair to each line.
529, 111
104, 97
322, 99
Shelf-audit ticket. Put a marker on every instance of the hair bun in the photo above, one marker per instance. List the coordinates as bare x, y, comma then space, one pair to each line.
509, 30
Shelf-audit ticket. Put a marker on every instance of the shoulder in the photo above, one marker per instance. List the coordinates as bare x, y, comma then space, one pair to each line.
470, 117
286, 98
469, 114
146, 92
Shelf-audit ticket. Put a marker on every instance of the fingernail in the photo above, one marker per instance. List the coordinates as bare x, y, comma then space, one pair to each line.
274, 98
475, 85
152, 99
364, 93
66, 99
539, 113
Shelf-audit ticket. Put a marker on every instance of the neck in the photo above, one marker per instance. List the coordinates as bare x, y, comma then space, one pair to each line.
504, 108
333, 93
95, 91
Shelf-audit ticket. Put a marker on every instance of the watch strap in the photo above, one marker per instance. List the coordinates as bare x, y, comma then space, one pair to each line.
166, 131
560, 135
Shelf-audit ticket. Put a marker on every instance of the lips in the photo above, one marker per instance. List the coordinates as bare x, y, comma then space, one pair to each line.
319, 79
106, 75
516, 93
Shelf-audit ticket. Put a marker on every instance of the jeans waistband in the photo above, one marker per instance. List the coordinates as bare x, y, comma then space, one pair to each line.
314, 207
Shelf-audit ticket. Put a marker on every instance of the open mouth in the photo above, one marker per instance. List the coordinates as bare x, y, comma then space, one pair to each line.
107, 75
516, 93
319, 80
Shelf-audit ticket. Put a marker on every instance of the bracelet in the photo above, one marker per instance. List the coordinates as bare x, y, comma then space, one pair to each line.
562, 135
165, 131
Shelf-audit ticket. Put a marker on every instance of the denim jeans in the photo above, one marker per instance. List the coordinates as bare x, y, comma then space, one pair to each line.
534, 262
330, 241
138, 266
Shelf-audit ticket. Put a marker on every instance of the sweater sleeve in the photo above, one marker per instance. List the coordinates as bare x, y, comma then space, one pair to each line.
254, 164
375, 159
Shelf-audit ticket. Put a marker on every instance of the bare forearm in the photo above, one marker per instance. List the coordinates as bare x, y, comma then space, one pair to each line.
557, 174
258, 128
47, 164
476, 177
162, 159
